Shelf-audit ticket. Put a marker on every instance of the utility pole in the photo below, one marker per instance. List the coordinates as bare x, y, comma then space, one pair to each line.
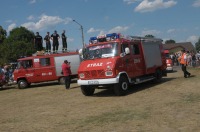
81, 31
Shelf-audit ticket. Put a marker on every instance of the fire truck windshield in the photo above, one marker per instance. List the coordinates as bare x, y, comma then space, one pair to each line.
24, 64
100, 51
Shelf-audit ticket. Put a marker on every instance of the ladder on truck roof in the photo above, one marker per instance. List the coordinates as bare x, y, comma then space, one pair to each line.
146, 39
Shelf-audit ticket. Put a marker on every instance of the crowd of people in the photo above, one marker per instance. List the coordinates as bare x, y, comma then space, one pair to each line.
6, 72
184, 59
38, 41
193, 59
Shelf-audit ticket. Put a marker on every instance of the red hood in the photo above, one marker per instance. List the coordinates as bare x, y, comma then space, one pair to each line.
96, 64
96, 68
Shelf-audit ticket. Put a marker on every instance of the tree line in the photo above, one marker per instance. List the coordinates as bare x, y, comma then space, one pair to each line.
20, 43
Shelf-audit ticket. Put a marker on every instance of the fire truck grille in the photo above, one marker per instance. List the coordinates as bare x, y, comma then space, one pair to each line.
94, 74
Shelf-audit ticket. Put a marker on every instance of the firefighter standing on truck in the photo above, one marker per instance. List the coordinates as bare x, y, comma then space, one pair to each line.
38, 42
183, 62
66, 73
55, 38
64, 42
48, 43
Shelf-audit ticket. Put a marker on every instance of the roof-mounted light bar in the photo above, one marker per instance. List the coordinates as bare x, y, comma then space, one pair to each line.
114, 36
104, 38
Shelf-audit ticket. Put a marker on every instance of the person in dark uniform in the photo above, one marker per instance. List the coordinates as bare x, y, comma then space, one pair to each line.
48, 43
64, 42
38, 42
55, 38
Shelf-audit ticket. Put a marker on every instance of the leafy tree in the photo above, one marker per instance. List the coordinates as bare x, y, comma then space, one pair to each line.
170, 41
197, 45
16, 50
19, 43
149, 36
20, 34
3, 34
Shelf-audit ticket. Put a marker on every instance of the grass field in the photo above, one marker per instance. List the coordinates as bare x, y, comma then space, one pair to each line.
170, 106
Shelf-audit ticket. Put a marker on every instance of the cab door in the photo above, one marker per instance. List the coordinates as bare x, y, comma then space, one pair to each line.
138, 66
127, 60
44, 70
26, 70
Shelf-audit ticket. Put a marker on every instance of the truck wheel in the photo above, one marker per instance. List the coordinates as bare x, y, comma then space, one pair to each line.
22, 84
158, 76
87, 90
61, 80
121, 88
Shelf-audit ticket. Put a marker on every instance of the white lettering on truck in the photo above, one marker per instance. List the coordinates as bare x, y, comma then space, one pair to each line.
95, 65
47, 74
29, 75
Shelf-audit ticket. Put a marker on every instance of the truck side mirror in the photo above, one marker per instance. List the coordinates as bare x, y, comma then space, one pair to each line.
127, 50
80, 51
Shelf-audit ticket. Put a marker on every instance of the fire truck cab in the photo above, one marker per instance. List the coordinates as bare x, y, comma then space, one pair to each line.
116, 61
42, 68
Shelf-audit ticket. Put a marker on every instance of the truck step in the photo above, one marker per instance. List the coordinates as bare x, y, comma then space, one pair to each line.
142, 79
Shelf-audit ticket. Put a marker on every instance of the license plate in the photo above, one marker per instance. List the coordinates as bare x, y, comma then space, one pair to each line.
93, 82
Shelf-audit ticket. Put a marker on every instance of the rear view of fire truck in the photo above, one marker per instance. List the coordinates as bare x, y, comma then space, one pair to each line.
115, 61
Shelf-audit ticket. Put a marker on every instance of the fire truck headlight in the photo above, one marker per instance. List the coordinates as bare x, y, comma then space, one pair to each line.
81, 75
109, 73
108, 68
169, 65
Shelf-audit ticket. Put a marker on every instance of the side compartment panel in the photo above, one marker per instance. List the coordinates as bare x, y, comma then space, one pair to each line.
75, 62
152, 54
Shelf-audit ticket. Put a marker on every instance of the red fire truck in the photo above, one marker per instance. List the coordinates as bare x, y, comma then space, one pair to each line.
168, 61
116, 61
42, 68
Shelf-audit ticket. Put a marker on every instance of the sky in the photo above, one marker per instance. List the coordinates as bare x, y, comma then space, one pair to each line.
166, 19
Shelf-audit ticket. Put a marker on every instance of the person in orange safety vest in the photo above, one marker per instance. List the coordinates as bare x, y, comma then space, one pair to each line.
183, 62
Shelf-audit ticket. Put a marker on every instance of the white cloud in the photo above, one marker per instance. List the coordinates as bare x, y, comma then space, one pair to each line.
150, 32
149, 5
45, 22
70, 39
193, 39
171, 30
130, 1
197, 28
31, 17
92, 30
32, 1
9, 21
11, 27
118, 29
196, 3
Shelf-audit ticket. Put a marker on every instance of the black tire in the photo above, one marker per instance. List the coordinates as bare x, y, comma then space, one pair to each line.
22, 84
87, 90
158, 76
29, 84
61, 80
121, 88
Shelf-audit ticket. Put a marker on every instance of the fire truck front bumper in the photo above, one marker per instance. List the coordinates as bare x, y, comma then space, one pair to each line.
98, 81
169, 68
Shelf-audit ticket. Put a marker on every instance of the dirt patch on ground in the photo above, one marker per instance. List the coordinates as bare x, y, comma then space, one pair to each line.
172, 105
